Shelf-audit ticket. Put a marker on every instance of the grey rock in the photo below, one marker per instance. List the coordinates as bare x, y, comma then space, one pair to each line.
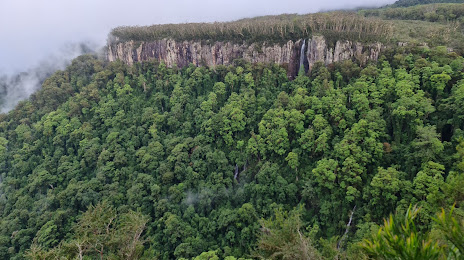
182, 53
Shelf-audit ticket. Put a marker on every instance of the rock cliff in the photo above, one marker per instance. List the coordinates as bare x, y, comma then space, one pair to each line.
182, 53
319, 51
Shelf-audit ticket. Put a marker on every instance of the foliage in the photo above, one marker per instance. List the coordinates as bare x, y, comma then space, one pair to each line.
279, 28
453, 231
194, 157
99, 232
398, 238
435, 24
405, 3
282, 238
431, 13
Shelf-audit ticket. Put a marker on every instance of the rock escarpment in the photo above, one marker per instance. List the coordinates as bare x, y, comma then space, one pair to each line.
182, 53
319, 51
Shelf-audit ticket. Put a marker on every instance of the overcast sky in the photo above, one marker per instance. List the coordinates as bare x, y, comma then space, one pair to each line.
32, 30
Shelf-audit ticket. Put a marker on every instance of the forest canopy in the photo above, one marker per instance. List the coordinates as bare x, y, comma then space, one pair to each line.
211, 162
350, 161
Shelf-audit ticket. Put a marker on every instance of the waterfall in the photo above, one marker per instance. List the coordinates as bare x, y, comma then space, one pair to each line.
302, 56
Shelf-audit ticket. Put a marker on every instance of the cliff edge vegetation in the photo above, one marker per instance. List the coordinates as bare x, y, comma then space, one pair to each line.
281, 28
433, 24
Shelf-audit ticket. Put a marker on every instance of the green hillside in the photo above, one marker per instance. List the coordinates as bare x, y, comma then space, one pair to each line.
406, 3
440, 13
191, 160
434, 24
350, 161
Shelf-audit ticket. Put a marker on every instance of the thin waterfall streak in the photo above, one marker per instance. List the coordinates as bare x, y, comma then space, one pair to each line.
302, 55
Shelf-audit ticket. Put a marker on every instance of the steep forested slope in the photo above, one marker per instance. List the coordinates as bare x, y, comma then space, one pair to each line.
196, 157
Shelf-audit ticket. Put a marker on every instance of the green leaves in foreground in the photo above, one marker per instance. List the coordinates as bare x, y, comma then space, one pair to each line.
453, 231
399, 239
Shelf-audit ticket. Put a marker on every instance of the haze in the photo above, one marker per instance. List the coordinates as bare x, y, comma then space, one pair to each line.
32, 30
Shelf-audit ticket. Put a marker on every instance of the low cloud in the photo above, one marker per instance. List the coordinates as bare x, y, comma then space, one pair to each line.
15, 87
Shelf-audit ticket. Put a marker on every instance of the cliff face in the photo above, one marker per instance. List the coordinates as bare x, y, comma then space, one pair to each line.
223, 53
319, 51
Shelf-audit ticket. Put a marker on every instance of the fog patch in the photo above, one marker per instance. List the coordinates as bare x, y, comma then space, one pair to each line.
207, 196
191, 198
18, 86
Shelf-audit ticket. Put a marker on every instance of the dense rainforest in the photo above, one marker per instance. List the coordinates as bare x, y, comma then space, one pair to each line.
192, 160
347, 161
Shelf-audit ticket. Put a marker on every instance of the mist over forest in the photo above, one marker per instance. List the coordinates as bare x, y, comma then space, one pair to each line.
18, 86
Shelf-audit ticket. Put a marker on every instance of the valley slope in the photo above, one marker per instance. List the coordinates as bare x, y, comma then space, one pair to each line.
208, 141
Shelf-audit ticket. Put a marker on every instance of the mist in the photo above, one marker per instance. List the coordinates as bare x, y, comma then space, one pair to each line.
15, 87
34, 33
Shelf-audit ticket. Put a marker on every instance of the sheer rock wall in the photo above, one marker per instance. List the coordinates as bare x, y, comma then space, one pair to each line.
182, 53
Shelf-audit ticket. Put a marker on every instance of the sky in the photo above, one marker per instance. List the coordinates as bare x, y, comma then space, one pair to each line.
33, 30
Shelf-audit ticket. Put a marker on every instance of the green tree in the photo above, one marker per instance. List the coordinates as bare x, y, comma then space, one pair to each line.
385, 191
282, 237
